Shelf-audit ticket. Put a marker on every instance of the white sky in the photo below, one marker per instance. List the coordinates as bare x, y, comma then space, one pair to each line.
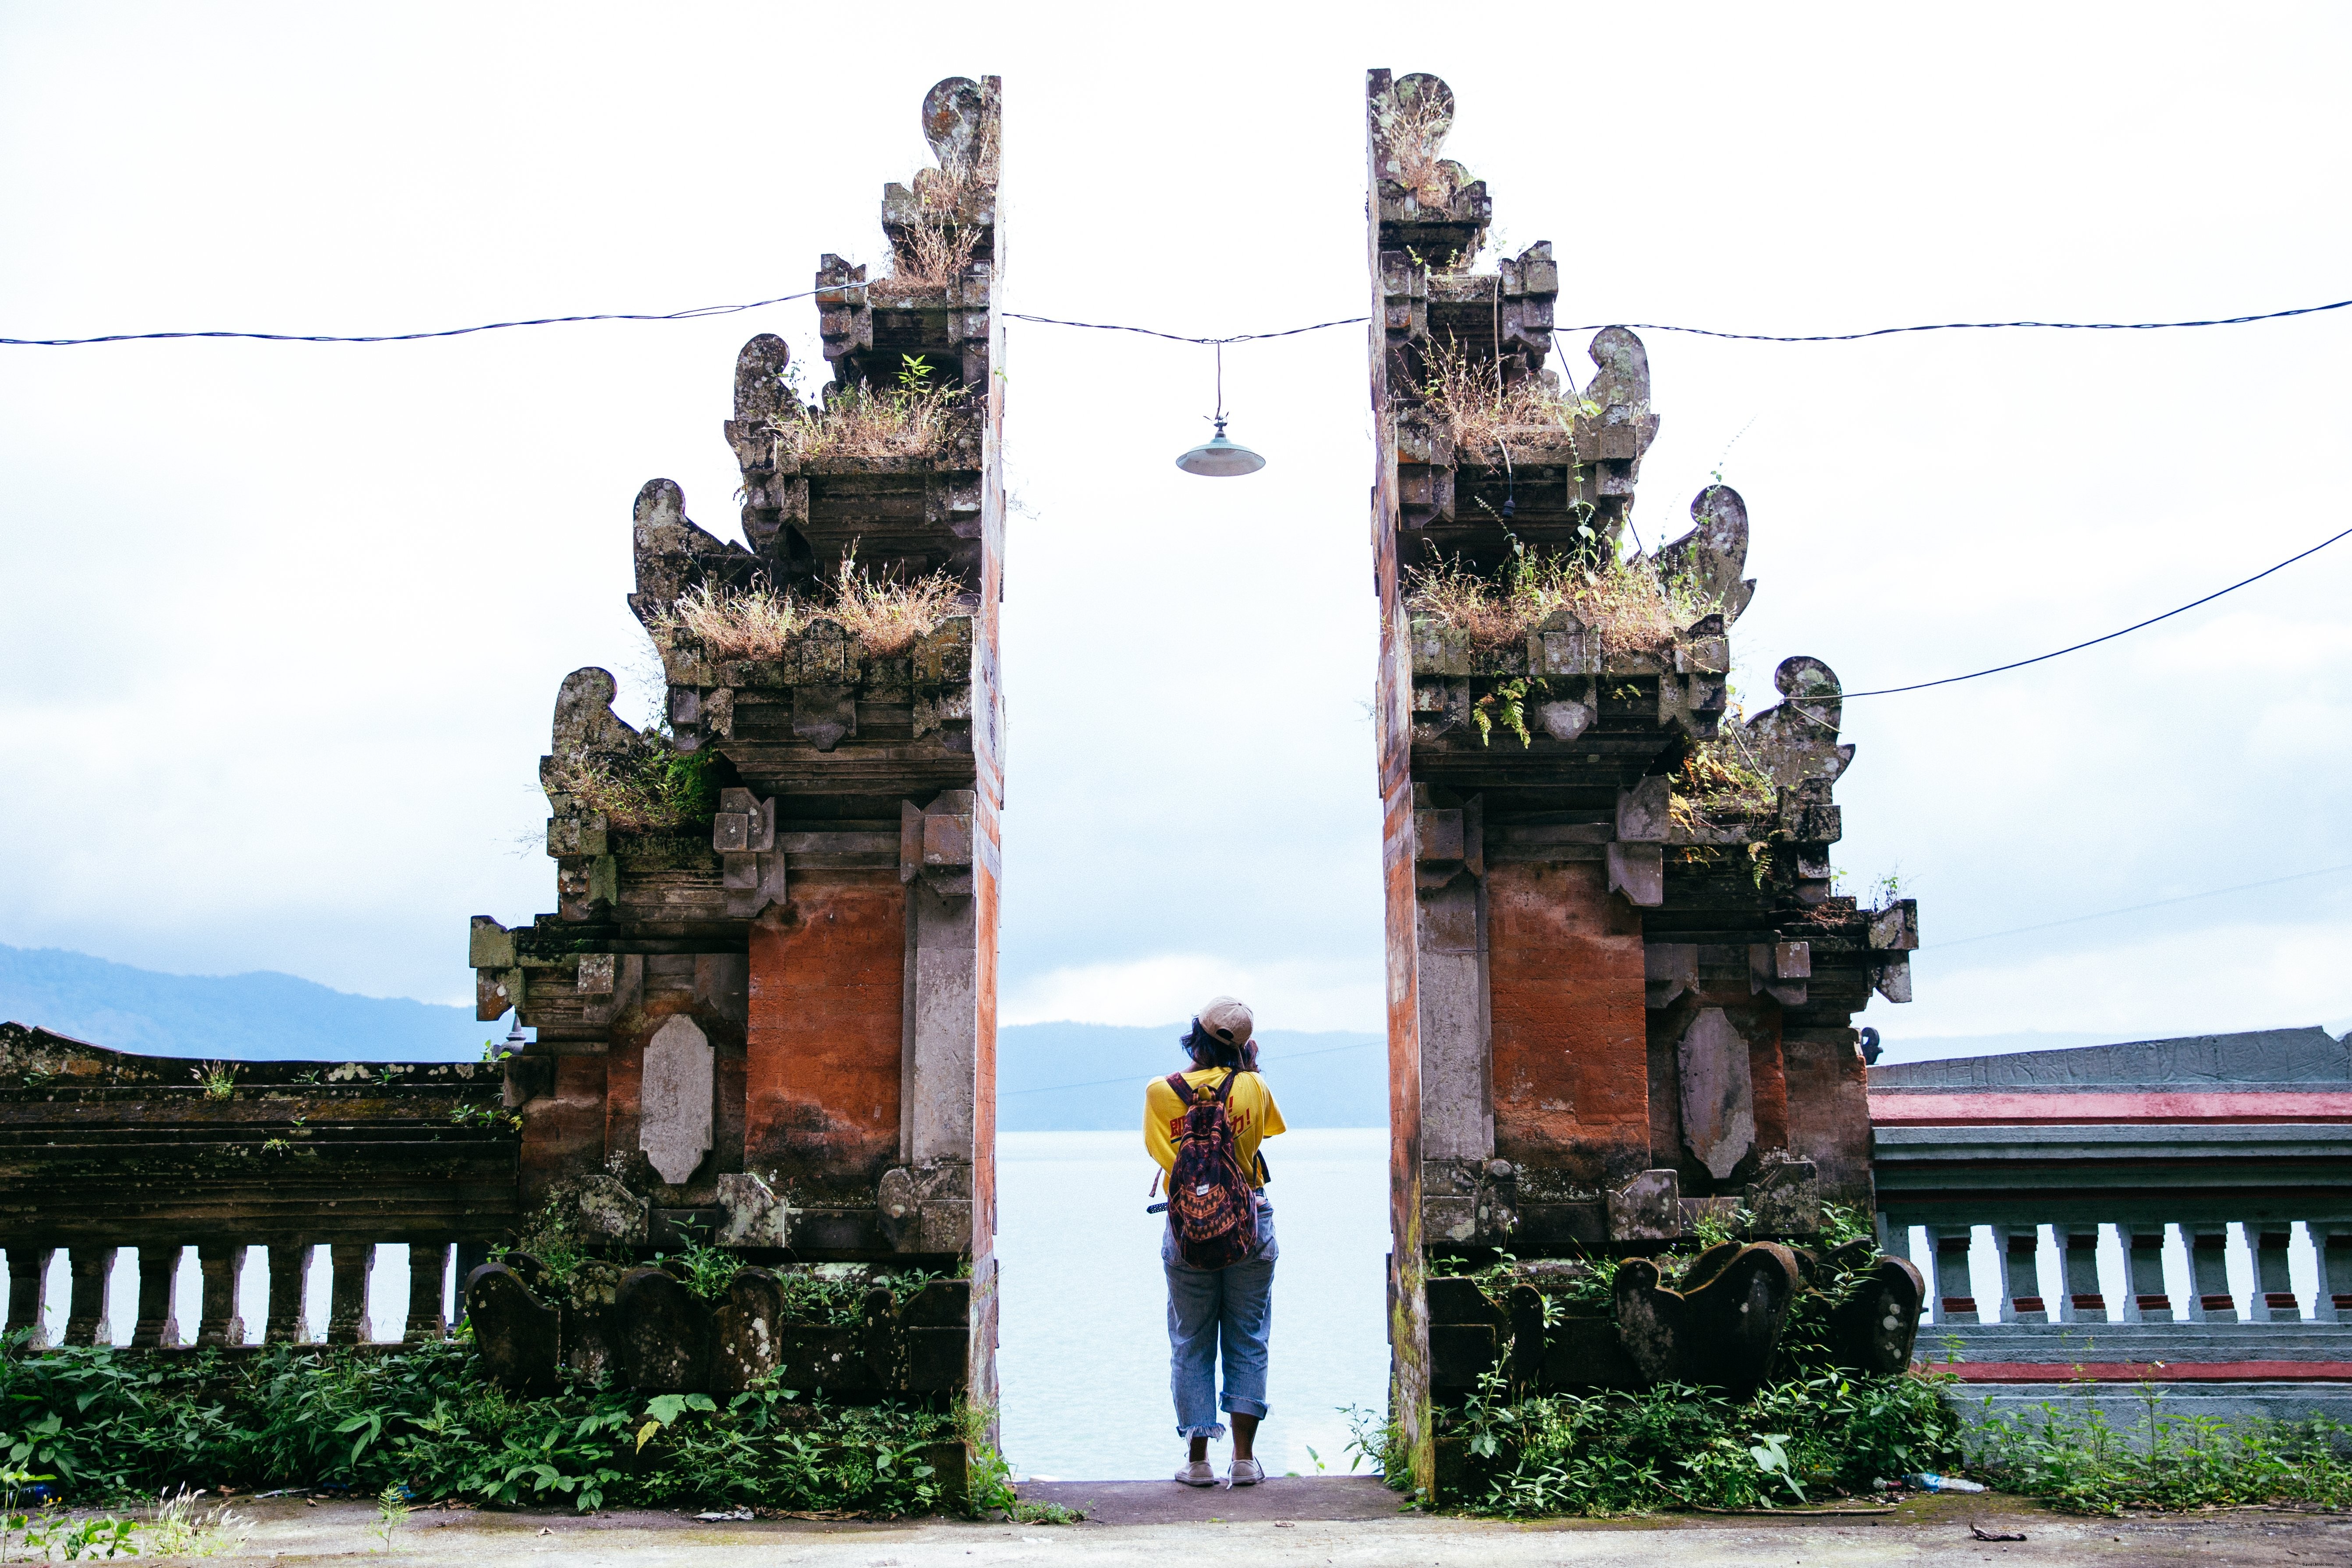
285, 623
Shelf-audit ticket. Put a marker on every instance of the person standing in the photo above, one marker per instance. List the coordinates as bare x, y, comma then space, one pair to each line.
1203, 1127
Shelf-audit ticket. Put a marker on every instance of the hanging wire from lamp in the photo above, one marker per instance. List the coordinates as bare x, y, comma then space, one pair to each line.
1219, 459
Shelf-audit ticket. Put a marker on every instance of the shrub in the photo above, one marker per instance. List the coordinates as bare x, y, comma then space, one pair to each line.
107, 1424
2084, 1463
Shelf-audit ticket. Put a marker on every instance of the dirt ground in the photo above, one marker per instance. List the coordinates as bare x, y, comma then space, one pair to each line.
1293, 1526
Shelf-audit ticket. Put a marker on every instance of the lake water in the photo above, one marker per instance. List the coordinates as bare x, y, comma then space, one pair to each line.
1082, 1358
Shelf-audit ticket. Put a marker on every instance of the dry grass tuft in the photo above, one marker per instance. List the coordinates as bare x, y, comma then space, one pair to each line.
1628, 603
942, 241
1415, 131
1472, 404
757, 622
751, 622
889, 617
913, 420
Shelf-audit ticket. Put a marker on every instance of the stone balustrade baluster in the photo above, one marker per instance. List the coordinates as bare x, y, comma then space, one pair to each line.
222, 1265
158, 1322
2333, 1243
428, 1280
2082, 1300
2018, 1249
29, 1276
347, 1308
2273, 1295
2146, 1299
86, 1322
1951, 1286
289, 1294
2209, 1300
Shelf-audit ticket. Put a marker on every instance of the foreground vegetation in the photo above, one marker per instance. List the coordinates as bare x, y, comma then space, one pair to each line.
95, 1423
2085, 1464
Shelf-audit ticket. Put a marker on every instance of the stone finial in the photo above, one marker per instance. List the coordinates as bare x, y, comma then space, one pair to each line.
1715, 552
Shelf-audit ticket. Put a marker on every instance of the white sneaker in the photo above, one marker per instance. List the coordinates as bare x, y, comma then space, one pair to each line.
1199, 1473
1244, 1473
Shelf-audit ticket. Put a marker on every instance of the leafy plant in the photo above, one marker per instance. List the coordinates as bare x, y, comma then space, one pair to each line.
657, 786
2079, 1462
391, 1512
219, 1078
914, 417
426, 1418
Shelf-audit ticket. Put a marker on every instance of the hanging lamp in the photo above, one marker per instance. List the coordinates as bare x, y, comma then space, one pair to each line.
1218, 458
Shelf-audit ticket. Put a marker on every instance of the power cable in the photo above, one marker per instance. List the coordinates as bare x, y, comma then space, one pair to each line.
2134, 908
696, 314
2039, 659
700, 312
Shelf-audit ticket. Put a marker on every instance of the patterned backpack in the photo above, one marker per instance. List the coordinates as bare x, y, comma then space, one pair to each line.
1212, 1207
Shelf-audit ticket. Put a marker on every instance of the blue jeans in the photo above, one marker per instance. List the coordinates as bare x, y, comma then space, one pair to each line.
1231, 1308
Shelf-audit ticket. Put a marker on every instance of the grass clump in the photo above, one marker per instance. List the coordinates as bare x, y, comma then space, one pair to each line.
1481, 412
915, 417
931, 252
1413, 128
104, 1423
1630, 605
658, 787
758, 621
2086, 1465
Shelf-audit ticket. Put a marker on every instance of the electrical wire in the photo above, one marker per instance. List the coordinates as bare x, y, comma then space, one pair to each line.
696, 314
2134, 908
2039, 659
700, 312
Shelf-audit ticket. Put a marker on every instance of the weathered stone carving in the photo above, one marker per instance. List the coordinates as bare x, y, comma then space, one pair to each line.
675, 1125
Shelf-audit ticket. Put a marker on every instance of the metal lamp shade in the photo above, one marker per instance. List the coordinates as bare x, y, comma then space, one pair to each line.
1220, 459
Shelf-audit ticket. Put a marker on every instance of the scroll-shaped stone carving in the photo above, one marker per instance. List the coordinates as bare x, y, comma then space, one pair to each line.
1718, 1101
674, 1127
1721, 1322
1797, 740
749, 1340
1715, 552
1872, 1329
665, 1335
516, 1334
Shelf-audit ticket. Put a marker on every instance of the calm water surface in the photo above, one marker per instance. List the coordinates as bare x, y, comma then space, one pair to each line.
1083, 1354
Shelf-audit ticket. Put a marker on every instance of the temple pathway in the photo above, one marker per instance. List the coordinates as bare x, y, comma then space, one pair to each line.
1171, 1526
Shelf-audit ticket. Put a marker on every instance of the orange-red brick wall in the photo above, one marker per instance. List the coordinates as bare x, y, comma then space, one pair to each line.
827, 1019
1570, 1052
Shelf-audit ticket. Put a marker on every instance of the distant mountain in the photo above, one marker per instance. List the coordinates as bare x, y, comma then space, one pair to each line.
1071, 1078
256, 1018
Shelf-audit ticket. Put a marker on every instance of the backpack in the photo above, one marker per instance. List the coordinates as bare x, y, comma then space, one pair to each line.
1212, 1207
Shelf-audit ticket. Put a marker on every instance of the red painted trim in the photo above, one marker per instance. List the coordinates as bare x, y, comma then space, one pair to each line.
2068, 1107
2147, 1372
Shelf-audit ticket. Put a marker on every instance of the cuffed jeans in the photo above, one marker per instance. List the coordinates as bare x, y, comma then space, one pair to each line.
1212, 1309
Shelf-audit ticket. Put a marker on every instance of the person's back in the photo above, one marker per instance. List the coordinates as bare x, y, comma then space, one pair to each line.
1219, 1248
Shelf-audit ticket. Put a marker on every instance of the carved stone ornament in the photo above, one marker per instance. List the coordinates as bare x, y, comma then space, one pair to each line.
675, 1129
1718, 1101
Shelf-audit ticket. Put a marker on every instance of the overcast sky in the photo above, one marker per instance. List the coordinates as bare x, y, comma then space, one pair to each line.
285, 623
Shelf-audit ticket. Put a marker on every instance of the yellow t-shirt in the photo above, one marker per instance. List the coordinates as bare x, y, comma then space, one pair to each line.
1251, 1108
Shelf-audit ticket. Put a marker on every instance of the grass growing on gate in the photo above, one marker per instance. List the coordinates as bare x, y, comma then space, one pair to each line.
107, 1425
658, 787
916, 417
757, 621
1630, 605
